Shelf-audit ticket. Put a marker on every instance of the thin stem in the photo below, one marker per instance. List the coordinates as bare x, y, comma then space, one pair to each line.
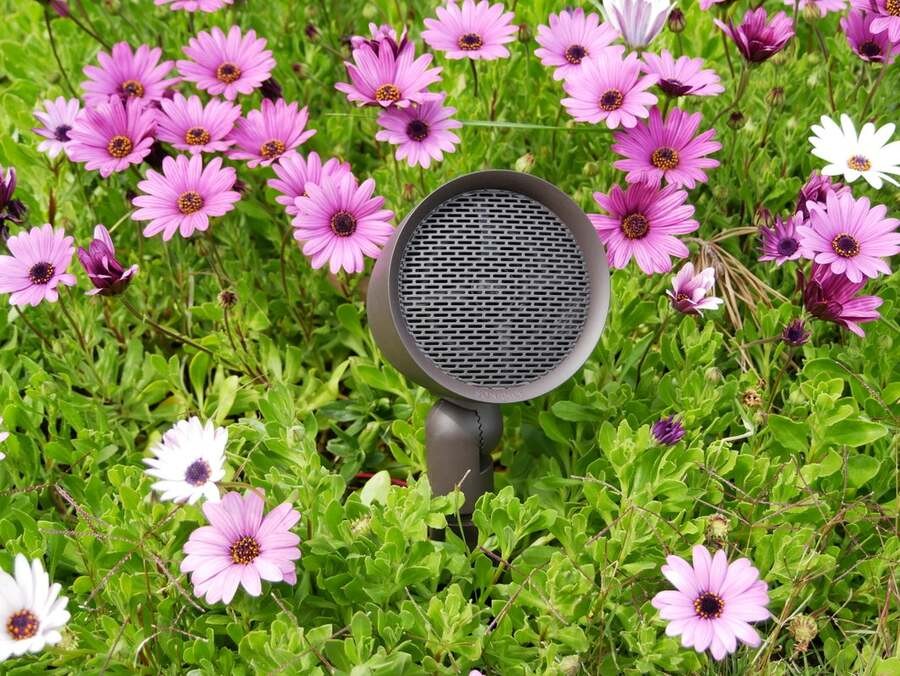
774, 392
79, 335
474, 76
302, 318
62, 70
871, 96
35, 329
656, 335
727, 54
87, 18
821, 40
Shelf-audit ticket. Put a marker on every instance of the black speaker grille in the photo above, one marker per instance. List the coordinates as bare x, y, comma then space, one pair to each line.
493, 288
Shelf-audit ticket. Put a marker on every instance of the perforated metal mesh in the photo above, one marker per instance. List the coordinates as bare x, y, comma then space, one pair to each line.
493, 288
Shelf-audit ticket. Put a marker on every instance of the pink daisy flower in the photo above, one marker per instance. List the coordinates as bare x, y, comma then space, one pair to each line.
421, 133
38, 265
112, 136
57, 119
868, 45
832, 298
849, 237
782, 243
227, 65
294, 173
757, 37
571, 38
642, 223
655, 150
473, 31
274, 131
184, 197
713, 602
822, 6
385, 78
816, 189
99, 261
382, 35
241, 547
689, 289
339, 222
125, 74
189, 125
683, 76
610, 89
887, 16
195, 5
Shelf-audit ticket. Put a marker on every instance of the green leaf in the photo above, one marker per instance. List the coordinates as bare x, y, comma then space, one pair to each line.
861, 469
790, 434
569, 410
376, 489
855, 432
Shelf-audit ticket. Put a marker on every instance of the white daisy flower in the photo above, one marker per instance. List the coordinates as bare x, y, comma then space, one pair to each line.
189, 461
868, 154
31, 610
4, 435
637, 21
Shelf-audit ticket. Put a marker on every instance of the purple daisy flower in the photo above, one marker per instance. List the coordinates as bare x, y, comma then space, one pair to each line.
781, 243
795, 333
227, 65
887, 16
112, 136
668, 150
294, 173
385, 78
339, 222
99, 261
189, 125
610, 88
683, 76
383, 35
758, 38
57, 119
195, 5
184, 197
473, 31
241, 547
642, 223
832, 298
816, 189
127, 75
38, 265
713, 602
274, 131
821, 7
422, 133
706, 4
11, 209
849, 237
868, 45
571, 38
668, 431
689, 289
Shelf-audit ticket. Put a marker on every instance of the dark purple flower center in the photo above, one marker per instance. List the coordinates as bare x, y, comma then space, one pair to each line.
795, 333
41, 273
611, 99
61, 133
470, 42
680, 297
190, 202
708, 606
674, 87
272, 149
575, 54
845, 246
245, 550
787, 246
635, 226
859, 163
196, 136
664, 158
870, 48
22, 624
228, 72
387, 93
417, 130
197, 473
343, 223
892, 7
132, 88
119, 147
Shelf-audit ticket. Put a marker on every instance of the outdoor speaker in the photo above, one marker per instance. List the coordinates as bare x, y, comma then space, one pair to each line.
493, 290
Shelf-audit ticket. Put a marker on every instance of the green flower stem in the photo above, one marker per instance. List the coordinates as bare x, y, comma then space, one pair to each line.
62, 70
79, 335
820, 39
871, 95
474, 77
656, 335
34, 329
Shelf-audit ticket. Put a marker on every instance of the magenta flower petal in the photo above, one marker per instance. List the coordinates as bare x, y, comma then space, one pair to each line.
757, 37
57, 119
571, 38
683, 76
112, 136
188, 124
38, 264
273, 132
227, 65
125, 74
294, 172
471, 31
422, 133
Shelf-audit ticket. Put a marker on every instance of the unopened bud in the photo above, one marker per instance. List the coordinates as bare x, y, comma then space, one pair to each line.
311, 32
713, 375
763, 217
803, 628
751, 399
591, 169
676, 20
525, 163
409, 191
736, 120
270, 89
524, 33
227, 298
570, 665
775, 97
717, 528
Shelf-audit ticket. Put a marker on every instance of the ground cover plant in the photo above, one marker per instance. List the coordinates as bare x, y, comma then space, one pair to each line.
206, 466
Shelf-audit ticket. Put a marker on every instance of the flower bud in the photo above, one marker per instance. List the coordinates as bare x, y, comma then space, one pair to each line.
717, 528
775, 97
803, 628
227, 298
736, 120
525, 163
270, 89
524, 33
676, 21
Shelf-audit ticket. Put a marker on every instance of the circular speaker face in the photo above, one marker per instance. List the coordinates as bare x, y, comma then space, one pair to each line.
498, 288
493, 288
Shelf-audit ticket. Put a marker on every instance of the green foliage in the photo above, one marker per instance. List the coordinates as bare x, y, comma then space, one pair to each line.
587, 505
